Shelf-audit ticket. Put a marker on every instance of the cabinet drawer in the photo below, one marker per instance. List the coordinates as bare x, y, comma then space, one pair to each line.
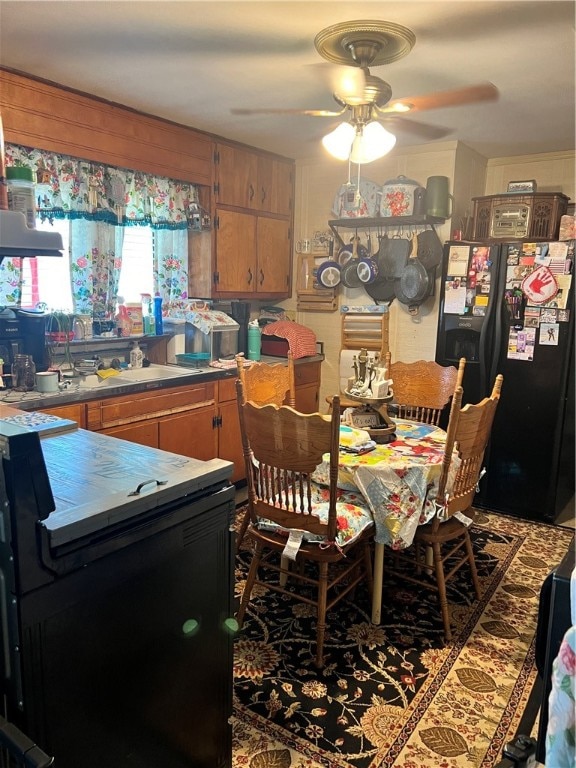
147, 405
307, 373
226, 390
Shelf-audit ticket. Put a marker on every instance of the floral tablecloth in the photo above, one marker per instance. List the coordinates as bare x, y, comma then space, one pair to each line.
399, 480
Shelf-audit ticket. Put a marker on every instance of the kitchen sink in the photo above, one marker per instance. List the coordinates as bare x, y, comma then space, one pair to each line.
153, 373
135, 375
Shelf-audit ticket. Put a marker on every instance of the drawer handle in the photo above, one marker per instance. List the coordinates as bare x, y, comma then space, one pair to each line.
146, 482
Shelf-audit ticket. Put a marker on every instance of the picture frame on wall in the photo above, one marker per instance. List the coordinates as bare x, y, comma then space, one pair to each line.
519, 187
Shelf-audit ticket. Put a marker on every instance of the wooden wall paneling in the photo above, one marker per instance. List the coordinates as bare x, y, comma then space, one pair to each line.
47, 116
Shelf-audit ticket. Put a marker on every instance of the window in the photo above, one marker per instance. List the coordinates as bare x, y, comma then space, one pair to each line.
46, 279
137, 272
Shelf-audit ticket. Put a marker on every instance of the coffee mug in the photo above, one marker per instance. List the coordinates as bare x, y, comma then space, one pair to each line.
304, 246
438, 199
47, 381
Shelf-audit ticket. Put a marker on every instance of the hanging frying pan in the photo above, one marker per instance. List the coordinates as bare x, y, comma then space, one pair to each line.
382, 288
352, 250
350, 276
367, 265
414, 284
429, 248
329, 274
398, 253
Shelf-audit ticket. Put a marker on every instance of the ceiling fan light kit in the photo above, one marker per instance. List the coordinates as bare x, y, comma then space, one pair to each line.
361, 144
339, 141
356, 46
371, 142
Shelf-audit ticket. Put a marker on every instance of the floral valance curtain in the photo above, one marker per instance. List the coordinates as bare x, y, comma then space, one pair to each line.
68, 187
100, 200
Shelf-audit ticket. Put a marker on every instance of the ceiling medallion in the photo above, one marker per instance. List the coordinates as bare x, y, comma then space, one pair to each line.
364, 43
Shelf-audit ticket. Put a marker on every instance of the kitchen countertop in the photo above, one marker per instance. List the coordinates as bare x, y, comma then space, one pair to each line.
76, 392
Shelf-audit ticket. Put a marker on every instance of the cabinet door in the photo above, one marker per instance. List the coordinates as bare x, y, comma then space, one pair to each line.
229, 439
307, 398
307, 376
143, 433
236, 173
282, 187
235, 252
192, 433
75, 412
273, 239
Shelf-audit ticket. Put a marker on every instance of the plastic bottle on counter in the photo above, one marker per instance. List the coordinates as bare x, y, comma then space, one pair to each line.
136, 356
22, 192
123, 322
158, 315
254, 340
148, 321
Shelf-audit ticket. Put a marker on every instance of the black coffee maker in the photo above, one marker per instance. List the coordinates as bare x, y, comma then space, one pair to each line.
23, 332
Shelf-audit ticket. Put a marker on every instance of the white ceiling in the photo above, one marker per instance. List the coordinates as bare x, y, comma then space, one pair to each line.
192, 61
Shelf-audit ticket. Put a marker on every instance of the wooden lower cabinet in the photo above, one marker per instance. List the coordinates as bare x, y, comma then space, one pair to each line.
307, 377
74, 412
229, 438
143, 433
192, 433
200, 421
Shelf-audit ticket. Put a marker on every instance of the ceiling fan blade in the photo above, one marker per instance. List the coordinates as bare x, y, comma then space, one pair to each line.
425, 130
310, 112
441, 99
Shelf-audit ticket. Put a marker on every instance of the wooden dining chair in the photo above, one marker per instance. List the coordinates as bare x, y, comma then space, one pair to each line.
265, 384
282, 448
446, 536
423, 389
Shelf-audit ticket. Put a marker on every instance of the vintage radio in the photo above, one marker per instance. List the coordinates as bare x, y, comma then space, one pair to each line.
519, 216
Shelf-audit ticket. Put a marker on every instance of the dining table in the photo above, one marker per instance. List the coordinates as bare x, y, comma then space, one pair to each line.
398, 481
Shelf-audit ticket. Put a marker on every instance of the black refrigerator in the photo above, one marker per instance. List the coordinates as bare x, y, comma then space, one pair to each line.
508, 307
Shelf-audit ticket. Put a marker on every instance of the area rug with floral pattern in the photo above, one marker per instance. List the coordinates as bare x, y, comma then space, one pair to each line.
394, 695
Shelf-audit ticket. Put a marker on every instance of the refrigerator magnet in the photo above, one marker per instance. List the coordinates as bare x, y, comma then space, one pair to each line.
549, 334
540, 286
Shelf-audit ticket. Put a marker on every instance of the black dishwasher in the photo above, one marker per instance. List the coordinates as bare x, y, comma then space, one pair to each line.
116, 593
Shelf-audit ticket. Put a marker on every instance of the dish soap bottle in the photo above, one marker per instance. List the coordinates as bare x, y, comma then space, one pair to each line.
136, 356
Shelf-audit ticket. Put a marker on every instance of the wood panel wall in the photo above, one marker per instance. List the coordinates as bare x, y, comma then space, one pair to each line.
44, 115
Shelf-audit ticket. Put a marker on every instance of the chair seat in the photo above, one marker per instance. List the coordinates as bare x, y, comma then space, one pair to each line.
353, 518
447, 530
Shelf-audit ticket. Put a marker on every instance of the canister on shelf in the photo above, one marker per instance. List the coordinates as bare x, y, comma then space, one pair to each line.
21, 192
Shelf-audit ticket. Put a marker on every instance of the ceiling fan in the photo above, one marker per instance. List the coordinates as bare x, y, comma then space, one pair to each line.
359, 45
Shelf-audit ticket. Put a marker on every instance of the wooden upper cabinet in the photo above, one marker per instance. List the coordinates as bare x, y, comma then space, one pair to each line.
273, 255
258, 182
275, 185
252, 254
235, 252
236, 176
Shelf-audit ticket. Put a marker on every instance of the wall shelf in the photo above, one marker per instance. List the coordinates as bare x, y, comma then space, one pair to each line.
382, 223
